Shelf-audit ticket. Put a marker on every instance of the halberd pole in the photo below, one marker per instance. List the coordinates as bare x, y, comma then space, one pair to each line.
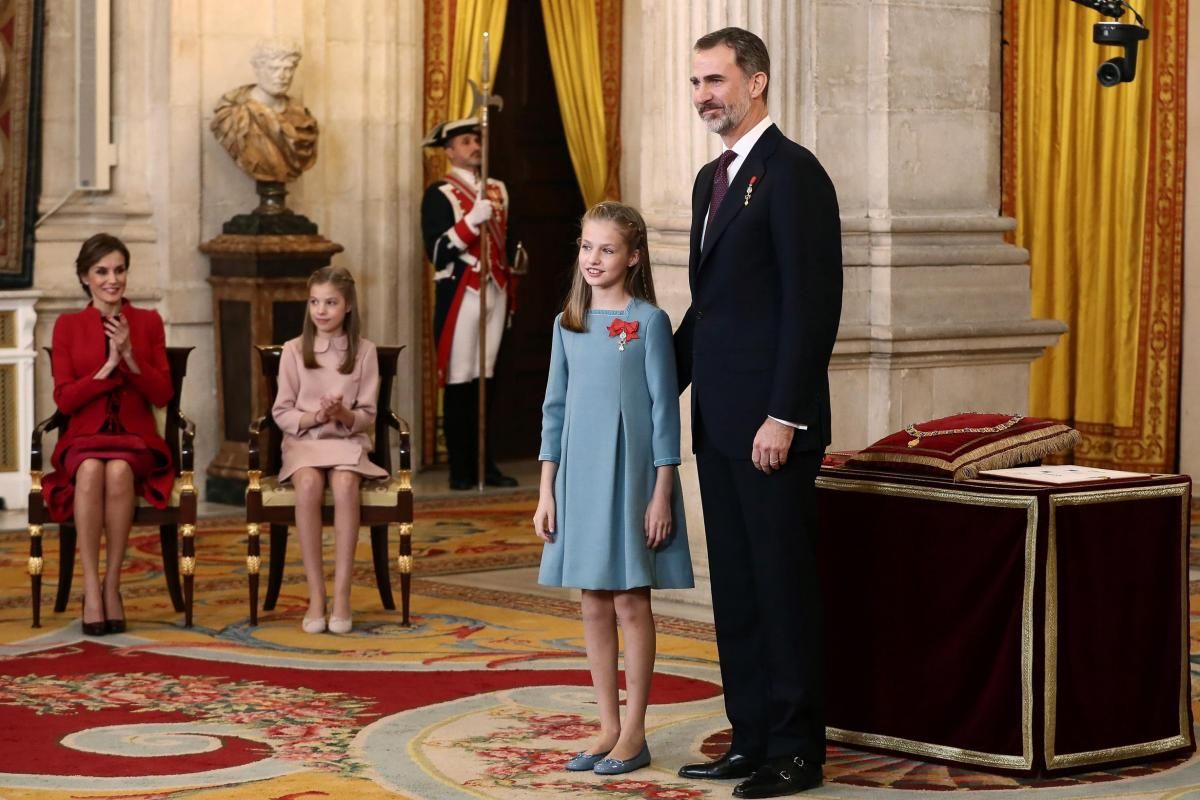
485, 84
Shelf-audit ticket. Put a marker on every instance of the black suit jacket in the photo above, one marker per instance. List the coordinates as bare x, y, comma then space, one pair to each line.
766, 300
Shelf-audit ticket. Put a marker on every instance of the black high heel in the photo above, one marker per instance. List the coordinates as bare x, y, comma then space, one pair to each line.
116, 625
91, 628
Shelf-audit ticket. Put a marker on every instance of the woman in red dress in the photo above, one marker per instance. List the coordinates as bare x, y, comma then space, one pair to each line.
110, 366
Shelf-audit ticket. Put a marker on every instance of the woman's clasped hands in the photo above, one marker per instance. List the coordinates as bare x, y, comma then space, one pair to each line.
116, 328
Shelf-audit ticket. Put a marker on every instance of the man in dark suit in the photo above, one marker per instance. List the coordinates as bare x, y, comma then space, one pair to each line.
766, 280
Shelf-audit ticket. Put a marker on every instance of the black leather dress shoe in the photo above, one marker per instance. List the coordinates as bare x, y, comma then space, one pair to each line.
730, 765
460, 485
499, 479
780, 778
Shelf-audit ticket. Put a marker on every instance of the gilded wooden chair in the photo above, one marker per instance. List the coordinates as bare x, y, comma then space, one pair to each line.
387, 503
176, 523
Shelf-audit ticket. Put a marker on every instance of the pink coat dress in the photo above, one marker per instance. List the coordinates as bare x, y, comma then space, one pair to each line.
330, 445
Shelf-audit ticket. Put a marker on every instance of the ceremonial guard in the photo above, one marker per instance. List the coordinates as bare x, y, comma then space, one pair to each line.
454, 212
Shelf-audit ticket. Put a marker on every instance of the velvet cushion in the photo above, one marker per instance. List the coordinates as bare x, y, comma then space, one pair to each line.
961, 445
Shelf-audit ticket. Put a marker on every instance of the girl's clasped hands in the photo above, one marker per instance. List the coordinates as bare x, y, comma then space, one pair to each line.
333, 410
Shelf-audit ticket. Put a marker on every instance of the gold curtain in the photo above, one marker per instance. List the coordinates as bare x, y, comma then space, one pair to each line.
453, 51
471, 19
1094, 178
572, 33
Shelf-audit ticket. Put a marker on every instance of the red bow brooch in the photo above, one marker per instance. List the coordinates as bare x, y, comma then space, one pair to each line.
624, 331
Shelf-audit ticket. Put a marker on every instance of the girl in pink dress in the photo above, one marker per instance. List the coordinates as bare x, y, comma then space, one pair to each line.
328, 389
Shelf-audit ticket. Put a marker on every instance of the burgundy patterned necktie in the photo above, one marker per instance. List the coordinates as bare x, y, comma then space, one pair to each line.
720, 183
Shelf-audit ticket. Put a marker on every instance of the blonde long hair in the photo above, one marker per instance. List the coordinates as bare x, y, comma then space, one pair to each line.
343, 281
639, 281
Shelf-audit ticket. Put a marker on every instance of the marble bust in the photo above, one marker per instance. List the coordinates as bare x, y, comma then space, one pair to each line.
269, 135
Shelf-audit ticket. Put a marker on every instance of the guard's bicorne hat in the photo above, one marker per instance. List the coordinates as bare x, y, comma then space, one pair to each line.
443, 132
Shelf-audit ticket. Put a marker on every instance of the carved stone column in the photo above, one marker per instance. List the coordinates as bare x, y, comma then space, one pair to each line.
936, 306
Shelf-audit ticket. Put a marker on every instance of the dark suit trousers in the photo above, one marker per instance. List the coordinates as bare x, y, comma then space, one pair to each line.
761, 532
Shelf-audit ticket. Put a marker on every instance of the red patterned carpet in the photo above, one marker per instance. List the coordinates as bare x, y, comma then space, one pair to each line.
485, 696
308, 716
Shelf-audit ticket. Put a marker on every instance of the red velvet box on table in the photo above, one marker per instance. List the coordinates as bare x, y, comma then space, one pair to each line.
1006, 625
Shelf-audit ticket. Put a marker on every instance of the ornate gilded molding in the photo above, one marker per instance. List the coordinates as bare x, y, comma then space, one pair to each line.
253, 563
187, 565
254, 480
35, 480
405, 563
439, 35
35, 531
187, 530
35, 565
187, 482
252, 530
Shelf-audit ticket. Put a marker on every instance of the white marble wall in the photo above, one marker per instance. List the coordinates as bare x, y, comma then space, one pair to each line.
174, 185
906, 119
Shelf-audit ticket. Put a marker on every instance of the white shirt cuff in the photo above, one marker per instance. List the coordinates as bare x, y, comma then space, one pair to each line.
795, 425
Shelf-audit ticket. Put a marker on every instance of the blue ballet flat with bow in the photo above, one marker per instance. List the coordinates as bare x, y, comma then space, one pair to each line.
585, 761
615, 766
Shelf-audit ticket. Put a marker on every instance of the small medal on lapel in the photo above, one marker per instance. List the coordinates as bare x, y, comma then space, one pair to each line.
750, 189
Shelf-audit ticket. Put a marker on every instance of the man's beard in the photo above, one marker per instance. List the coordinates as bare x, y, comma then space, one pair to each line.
730, 117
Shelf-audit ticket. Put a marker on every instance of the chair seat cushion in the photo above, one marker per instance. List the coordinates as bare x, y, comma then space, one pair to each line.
961, 445
377, 492
172, 500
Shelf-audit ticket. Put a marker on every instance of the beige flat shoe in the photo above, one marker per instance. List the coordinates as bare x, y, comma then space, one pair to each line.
340, 624
313, 625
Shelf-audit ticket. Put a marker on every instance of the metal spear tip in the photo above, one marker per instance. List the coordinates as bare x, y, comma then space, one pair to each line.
477, 99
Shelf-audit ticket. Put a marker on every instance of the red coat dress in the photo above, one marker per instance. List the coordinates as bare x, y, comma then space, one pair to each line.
123, 398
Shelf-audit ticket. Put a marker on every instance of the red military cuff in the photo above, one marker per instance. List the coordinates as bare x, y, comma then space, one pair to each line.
465, 232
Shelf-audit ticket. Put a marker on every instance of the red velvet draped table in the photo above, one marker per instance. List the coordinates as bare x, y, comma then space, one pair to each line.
1003, 625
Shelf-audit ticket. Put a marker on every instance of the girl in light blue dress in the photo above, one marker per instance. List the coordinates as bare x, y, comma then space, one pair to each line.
610, 508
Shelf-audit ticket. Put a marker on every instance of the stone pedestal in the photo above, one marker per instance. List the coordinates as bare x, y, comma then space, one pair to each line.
259, 287
17, 356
